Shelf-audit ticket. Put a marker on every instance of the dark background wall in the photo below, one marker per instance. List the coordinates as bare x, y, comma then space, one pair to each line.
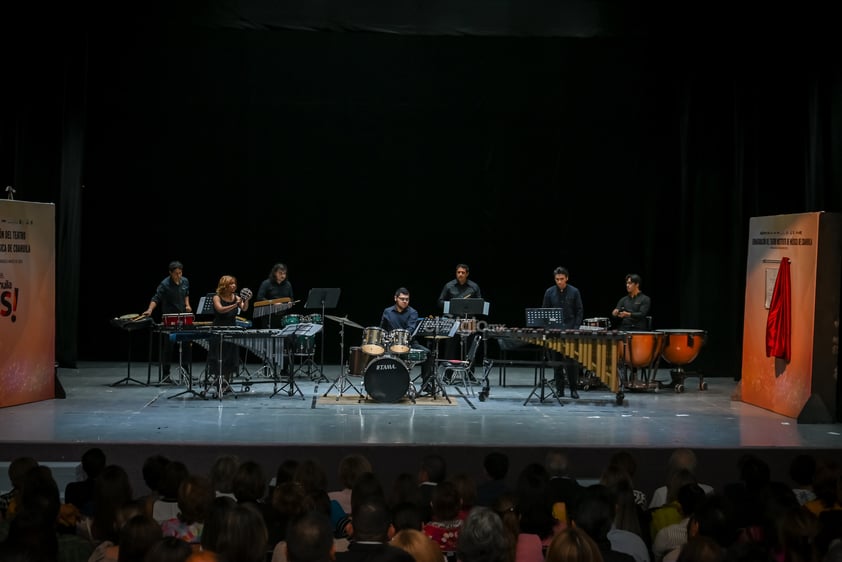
376, 146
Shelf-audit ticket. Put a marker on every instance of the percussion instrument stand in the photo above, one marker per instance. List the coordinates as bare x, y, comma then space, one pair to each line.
220, 383
189, 389
128, 378
543, 384
435, 379
342, 382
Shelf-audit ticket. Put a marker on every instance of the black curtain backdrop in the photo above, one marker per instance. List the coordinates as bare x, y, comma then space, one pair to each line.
376, 147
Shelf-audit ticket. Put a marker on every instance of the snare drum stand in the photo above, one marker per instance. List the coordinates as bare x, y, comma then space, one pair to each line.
342, 382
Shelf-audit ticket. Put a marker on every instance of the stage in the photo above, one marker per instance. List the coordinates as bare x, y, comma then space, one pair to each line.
108, 406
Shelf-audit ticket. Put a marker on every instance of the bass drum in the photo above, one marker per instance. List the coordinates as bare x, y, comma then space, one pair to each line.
386, 379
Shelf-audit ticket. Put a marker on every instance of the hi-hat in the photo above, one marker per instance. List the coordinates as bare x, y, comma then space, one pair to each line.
343, 321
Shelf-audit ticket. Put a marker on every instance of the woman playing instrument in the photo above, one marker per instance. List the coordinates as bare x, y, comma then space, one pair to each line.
226, 305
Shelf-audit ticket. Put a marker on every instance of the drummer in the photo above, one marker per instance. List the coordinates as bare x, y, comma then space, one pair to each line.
275, 286
401, 316
633, 309
565, 296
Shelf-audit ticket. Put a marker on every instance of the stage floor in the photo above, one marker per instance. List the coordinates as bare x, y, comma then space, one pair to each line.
97, 410
130, 421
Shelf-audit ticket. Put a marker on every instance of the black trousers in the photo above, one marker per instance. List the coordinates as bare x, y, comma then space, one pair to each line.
569, 369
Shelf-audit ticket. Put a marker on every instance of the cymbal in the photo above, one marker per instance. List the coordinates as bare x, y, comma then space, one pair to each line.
343, 321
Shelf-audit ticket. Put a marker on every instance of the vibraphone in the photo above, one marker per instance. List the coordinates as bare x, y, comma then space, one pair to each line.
266, 344
597, 350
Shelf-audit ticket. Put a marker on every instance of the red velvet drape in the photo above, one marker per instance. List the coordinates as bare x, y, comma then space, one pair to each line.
779, 321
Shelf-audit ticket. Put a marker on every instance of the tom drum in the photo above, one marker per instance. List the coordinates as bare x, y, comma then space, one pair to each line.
399, 341
292, 319
386, 379
373, 343
682, 346
357, 361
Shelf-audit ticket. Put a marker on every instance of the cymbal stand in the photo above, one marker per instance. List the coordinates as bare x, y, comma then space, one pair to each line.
342, 382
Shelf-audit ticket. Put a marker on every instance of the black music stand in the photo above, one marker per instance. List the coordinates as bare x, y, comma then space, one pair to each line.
552, 318
132, 326
324, 298
436, 329
205, 306
464, 307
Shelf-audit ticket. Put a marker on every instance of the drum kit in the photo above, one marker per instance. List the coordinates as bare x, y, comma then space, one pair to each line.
384, 360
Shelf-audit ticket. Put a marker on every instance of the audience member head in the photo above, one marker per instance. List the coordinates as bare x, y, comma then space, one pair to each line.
351, 467
573, 545
112, 490
175, 472
532, 482
797, 530
419, 545
18, 469
714, 518
93, 462
681, 458
215, 521
690, 496
309, 538
407, 515
482, 538
291, 500
33, 526
625, 461
594, 513
222, 473
194, 498
243, 536
466, 488
701, 549
286, 471
249, 484
826, 481
557, 463
677, 479
367, 486
404, 490
311, 475
137, 537
496, 465
445, 502
505, 506
754, 471
433, 469
153, 470
169, 549
802, 470
371, 520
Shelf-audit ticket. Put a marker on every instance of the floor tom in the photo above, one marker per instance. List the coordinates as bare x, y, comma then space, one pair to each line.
386, 379
399, 341
357, 361
373, 341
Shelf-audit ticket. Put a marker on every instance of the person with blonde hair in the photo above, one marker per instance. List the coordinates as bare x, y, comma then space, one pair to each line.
419, 545
227, 304
573, 545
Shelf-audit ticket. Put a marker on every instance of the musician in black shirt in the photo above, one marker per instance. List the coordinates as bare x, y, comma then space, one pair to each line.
275, 286
459, 288
568, 298
173, 297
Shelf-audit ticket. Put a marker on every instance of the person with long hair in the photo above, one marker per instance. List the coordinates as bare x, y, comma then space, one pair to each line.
573, 545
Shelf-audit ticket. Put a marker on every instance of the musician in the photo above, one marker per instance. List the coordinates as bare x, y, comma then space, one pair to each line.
276, 286
226, 306
633, 308
568, 298
173, 297
459, 288
401, 316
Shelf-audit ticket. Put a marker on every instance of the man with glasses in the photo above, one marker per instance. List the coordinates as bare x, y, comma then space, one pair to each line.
401, 316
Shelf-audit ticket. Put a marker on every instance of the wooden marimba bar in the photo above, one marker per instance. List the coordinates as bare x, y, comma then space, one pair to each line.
597, 350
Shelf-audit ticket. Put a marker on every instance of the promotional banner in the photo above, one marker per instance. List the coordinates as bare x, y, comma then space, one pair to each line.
27, 302
791, 304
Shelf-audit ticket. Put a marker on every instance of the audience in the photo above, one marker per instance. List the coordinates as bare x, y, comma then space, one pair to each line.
496, 467
418, 545
483, 538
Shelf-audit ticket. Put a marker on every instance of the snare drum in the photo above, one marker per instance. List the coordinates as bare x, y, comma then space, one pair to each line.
313, 319
399, 341
386, 379
292, 319
357, 361
373, 341
597, 323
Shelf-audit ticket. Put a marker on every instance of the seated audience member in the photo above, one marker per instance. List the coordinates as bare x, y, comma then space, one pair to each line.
372, 528
309, 538
137, 537
222, 474
418, 545
17, 470
443, 528
350, 468
670, 512
802, 471
483, 538
169, 549
594, 514
573, 545
675, 535
496, 468
81, 494
680, 459
166, 506
195, 496
243, 535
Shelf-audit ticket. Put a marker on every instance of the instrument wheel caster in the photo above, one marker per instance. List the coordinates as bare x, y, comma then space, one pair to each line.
620, 398
246, 388
679, 388
482, 396
703, 386
586, 388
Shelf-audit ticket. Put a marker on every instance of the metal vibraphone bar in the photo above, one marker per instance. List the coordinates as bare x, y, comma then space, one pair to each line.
597, 350
266, 344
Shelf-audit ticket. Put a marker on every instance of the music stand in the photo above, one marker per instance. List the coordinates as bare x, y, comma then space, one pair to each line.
464, 307
545, 318
205, 306
324, 298
436, 329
